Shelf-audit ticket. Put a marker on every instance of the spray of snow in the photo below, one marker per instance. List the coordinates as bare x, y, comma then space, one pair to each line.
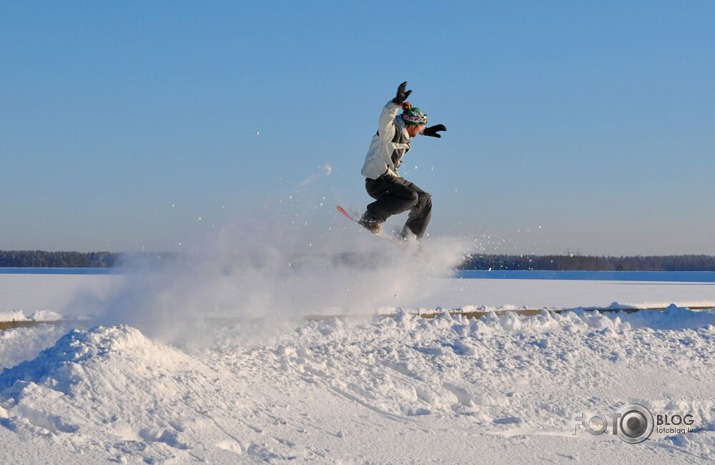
295, 257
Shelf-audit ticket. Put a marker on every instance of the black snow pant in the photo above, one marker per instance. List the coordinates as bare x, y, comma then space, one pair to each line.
394, 195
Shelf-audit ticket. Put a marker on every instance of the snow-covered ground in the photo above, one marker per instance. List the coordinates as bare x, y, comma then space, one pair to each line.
217, 365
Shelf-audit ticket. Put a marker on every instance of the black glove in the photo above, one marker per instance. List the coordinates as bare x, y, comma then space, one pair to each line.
402, 94
432, 131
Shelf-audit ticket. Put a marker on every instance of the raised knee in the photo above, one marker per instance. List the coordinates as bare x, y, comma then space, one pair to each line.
425, 200
412, 199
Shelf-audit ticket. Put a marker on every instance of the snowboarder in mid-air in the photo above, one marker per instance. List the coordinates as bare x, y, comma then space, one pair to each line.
394, 194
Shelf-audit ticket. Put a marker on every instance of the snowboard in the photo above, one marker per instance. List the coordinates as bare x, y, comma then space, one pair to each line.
382, 235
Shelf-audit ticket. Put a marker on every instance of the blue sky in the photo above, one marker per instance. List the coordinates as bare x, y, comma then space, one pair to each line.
572, 126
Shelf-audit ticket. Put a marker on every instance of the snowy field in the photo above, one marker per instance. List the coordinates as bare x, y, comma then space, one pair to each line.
220, 365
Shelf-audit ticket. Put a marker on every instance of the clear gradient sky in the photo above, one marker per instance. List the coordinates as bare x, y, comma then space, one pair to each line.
572, 126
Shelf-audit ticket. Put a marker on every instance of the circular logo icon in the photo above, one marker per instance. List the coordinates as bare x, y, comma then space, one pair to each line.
635, 424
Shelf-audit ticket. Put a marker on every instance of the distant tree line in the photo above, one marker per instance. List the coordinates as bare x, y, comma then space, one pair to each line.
590, 263
43, 259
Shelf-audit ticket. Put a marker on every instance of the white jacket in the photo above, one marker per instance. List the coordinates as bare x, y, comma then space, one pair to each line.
388, 145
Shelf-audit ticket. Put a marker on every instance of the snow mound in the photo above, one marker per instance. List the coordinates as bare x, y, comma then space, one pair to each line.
112, 389
13, 315
85, 357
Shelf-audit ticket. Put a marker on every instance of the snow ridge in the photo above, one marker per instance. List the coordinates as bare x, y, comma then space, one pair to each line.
390, 390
